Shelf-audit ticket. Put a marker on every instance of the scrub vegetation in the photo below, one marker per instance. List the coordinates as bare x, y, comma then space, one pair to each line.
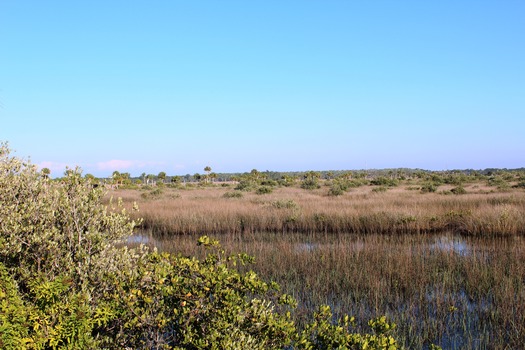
333, 260
489, 205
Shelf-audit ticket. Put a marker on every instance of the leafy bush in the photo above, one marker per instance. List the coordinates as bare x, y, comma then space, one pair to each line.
285, 203
264, 190
336, 190
311, 180
233, 194
310, 184
286, 181
458, 190
429, 187
175, 185
245, 185
455, 179
14, 315
269, 182
155, 193
437, 179
496, 181
324, 334
384, 181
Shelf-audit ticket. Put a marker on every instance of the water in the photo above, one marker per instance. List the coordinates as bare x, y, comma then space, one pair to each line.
452, 244
469, 296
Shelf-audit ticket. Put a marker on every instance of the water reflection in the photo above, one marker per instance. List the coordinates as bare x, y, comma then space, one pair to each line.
140, 238
458, 292
306, 247
452, 244
443, 243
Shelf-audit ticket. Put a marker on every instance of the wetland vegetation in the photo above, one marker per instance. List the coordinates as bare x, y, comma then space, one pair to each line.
375, 261
446, 265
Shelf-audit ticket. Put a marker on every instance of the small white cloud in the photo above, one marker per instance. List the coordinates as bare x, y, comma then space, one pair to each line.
179, 166
117, 164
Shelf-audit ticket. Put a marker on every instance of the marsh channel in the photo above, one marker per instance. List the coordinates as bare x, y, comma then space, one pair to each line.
454, 291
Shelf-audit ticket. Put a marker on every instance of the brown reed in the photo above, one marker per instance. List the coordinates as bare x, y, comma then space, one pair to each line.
457, 292
399, 210
448, 269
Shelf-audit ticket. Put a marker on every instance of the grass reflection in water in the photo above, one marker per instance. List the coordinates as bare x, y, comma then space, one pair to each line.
458, 292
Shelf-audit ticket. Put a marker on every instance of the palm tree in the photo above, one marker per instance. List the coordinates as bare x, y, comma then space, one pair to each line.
149, 178
255, 174
116, 177
207, 169
46, 172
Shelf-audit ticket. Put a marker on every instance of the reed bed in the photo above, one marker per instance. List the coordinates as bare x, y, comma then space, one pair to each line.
456, 292
293, 210
448, 269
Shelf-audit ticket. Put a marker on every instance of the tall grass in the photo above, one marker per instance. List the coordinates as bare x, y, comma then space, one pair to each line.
398, 210
460, 293
448, 269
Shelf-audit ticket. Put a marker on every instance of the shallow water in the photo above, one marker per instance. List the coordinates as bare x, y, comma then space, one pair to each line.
453, 291
447, 243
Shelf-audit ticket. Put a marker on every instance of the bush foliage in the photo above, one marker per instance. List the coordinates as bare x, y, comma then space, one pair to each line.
68, 281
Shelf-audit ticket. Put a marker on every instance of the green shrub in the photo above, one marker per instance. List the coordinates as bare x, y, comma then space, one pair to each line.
437, 179
268, 182
324, 334
429, 187
233, 194
286, 181
264, 190
455, 179
155, 193
496, 181
458, 190
245, 185
384, 181
357, 182
285, 203
129, 186
14, 314
310, 184
336, 190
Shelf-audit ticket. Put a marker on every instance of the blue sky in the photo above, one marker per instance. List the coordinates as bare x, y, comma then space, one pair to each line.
149, 86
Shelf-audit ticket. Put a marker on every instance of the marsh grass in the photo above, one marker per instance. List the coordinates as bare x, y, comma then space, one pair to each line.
460, 293
478, 211
448, 269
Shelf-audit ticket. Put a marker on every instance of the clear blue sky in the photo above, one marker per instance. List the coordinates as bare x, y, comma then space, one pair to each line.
149, 86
